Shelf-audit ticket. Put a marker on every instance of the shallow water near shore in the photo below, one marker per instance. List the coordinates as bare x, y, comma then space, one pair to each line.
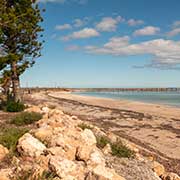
165, 98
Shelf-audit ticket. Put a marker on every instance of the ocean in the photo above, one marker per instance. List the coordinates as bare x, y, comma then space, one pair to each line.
165, 98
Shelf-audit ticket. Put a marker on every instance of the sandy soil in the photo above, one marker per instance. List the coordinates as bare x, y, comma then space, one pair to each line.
153, 127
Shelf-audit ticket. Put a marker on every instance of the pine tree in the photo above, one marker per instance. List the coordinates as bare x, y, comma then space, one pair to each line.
19, 39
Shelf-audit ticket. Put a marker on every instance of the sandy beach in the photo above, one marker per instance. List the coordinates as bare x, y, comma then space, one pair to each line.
155, 128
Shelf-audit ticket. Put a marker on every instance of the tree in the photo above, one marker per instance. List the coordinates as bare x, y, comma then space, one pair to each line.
19, 39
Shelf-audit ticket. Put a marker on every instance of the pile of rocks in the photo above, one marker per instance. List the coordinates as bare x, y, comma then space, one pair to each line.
60, 147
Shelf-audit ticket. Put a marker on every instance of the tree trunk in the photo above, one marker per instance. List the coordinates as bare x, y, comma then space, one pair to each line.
15, 83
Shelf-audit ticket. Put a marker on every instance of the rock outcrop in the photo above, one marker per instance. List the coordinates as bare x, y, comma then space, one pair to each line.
59, 147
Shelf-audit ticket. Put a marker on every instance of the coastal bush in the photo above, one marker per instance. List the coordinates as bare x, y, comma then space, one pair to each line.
102, 141
9, 137
14, 106
46, 175
120, 150
84, 126
26, 118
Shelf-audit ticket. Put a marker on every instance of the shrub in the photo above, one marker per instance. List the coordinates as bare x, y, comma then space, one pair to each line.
12, 106
9, 137
102, 141
26, 118
84, 126
120, 150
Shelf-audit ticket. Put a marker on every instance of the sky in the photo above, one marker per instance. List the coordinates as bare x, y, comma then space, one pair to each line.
108, 43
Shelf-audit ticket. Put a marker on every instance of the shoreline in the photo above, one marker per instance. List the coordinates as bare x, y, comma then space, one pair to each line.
149, 108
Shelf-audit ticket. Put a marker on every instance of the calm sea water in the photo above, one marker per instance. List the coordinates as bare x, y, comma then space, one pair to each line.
166, 98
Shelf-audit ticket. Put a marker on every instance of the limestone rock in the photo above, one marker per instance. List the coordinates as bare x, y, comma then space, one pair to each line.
88, 137
83, 152
65, 168
34, 109
3, 152
96, 158
30, 146
5, 174
107, 149
43, 133
102, 173
158, 168
170, 176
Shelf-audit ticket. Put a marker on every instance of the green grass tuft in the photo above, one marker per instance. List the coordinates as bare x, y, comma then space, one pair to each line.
26, 118
12, 106
120, 150
102, 141
84, 126
9, 137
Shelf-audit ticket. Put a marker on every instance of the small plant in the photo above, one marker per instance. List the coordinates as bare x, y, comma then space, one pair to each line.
9, 137
102, 141
26, 118
84, 126
12, 106
120, 150
28, 175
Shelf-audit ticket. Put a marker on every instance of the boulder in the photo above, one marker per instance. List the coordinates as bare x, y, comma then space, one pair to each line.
65, 168
96, 158
83, 152
158, 168
3, 152
170, 176
30, 146
5, 174
34, 109
88, 137
43, 133
107, 149
102, 173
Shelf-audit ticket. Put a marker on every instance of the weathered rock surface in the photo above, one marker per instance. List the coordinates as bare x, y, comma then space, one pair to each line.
102, 173
30, 146
170, 176
3, 152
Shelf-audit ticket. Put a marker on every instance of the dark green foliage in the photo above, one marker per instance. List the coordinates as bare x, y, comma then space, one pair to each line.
102, 141
46, 175
120, 150
20, 40
26, 118
9, 137
12, 106
84, 126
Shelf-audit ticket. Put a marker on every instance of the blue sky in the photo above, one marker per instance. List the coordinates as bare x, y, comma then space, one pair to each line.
108, 43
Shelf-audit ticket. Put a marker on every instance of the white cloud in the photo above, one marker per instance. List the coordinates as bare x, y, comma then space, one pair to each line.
133, 22
109, 23
117, 42
63, 27
147, 31
165, 53
176, 24
174, 32
73, 48
82, 34
81, 22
